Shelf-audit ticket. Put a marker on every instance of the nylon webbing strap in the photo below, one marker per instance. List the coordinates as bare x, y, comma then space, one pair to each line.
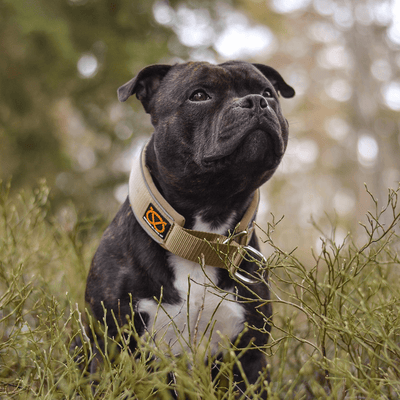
165, 226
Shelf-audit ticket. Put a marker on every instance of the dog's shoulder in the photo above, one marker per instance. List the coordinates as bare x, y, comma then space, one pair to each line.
123, 222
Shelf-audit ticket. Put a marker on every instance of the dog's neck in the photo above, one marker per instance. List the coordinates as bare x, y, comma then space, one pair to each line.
208, 210
165, 225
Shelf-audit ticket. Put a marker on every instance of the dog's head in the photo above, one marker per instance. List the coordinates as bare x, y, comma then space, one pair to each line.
212, 120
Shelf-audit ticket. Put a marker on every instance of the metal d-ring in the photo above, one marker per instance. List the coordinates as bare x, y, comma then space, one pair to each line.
253, 253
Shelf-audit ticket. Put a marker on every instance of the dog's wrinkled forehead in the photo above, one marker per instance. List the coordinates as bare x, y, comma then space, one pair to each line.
224, 76
183, 77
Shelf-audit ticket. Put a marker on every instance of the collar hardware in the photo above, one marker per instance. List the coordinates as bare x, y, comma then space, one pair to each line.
254, 254
166, 226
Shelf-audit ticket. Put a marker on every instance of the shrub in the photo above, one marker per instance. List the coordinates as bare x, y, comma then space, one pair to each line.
335, 332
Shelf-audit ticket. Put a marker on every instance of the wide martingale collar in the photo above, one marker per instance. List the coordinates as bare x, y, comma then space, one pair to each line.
166, 227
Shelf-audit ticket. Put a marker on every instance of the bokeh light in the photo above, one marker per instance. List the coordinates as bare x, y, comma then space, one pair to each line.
367, 150
87, 65
391, 94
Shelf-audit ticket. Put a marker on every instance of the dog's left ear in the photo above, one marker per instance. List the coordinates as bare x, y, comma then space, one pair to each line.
144, 84
276, 79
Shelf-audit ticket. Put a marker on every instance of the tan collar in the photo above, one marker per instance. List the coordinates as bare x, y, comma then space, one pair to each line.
166, 227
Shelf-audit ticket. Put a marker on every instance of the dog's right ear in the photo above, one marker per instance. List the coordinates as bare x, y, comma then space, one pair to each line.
144, 84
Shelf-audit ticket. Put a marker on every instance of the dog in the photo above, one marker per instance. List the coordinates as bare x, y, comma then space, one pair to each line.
219, 134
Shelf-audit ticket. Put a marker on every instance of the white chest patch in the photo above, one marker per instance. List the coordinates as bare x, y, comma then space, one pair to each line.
204, 315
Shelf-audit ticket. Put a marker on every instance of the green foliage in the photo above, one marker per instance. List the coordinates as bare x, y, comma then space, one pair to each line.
41, 42
343, 312
335, 334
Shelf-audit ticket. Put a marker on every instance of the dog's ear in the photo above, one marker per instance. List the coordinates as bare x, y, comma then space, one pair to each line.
144, 84
275, 78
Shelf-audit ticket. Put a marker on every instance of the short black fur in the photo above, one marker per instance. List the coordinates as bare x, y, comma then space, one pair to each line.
206, 158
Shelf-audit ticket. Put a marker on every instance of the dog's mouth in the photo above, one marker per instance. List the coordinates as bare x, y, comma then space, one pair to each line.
259, 144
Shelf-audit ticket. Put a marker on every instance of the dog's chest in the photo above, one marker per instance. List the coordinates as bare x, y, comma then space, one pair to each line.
205, 313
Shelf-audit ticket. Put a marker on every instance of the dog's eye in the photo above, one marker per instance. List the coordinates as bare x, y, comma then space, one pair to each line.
199, 95
267, 93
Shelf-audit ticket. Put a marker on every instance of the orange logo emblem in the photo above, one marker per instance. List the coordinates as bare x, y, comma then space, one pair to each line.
156, 221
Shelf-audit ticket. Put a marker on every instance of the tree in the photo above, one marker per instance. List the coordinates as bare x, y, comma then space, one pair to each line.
61, 64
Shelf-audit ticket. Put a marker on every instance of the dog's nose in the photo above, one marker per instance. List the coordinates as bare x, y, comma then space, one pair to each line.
254, 101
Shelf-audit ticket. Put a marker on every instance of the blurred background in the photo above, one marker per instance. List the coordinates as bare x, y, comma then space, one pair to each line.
61, 62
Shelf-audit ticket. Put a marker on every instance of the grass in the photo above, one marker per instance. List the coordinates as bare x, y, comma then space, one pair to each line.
336, 323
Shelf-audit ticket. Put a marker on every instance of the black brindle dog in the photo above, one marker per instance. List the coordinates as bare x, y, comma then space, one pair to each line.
219, 134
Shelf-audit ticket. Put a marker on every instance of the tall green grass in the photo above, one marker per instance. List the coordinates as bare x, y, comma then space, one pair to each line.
335, 335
